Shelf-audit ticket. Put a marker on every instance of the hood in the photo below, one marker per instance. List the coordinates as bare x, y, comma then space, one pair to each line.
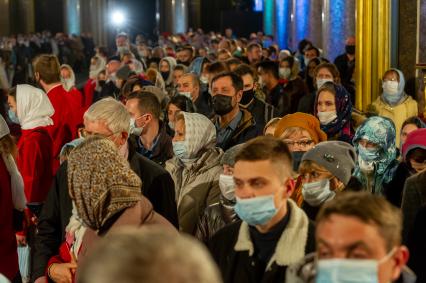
98, 67
172, 64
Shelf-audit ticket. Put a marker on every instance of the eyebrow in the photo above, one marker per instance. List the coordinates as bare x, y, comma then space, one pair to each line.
350, 247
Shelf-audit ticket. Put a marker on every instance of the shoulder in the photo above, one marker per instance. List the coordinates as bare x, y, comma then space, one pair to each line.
416, 179
226, 237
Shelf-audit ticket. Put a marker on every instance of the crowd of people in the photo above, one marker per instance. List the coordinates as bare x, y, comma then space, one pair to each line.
206, 158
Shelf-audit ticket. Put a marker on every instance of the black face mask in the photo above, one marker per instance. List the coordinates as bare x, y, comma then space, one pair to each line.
165, 75
248, 96
297, 159
350, 49
222, 104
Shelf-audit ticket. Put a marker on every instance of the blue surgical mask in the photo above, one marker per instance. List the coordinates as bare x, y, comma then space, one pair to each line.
135, 130
257, 210
349, 270
368, 154
316, 193
12, 116
180, 150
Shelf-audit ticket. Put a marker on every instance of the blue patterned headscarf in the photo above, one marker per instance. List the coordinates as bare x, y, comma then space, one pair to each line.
380, 131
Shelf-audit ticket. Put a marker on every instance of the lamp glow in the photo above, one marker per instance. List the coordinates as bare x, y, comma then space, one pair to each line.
118, 18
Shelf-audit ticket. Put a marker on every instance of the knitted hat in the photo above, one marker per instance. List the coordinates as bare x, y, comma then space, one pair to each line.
304, 121
228, 157
336, 156
415, 139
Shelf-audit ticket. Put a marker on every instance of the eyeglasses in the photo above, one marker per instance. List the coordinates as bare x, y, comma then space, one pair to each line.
301, 143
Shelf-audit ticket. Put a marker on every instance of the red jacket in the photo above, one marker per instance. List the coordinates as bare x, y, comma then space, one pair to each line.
8, 254
35, 163
61, 131
64, 256
89, 90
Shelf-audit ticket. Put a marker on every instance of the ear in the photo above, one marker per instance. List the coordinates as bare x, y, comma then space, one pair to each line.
239, 95
124, 136
400, 259
37, 76
289, 187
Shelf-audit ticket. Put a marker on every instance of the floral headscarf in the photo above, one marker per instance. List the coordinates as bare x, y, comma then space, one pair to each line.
341, 126
380, 131
100, 182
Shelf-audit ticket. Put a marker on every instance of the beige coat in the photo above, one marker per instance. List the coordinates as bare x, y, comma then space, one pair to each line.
196, 185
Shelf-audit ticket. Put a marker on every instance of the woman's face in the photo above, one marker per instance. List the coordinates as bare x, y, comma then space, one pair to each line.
314, 176
406, 130
171, 112
284, 64
326, 101
368, 145
391, 76
299, 141
164, 66
12, 103
179, 131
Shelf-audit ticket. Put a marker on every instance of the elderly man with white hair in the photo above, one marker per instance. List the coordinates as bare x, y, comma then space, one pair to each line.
108, 118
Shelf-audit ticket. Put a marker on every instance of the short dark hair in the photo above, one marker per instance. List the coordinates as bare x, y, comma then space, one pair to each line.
414, 121
147, 102
331, 68
217, 67
232, 61
253, 45
180, 67
266, 148
237, 82
183, 103
368, 208
270, 67
311, 47
244, 69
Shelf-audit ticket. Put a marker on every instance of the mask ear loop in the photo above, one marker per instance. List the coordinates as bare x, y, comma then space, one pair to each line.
387, 256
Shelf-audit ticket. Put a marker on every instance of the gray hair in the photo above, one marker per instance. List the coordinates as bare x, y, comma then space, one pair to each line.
228, 157
112, 112
148, 254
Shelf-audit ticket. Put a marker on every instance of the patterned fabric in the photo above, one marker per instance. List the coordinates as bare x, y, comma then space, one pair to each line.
200, 134
380, 131
341, 126
101, 182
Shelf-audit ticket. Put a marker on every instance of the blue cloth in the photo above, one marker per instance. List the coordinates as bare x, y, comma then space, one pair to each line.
24, 254
148, 153
223, 134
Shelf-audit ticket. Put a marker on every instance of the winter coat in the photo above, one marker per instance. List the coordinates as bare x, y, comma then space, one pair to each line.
9, 256
157, 186
261, 111
214, 218
398, 114
417, 245
196, 185
233, 250
413, 198
393, 191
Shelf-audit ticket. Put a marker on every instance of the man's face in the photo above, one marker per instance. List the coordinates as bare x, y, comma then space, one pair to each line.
255, 55
310, 54
113, 66
121, 41
141, 119
347, 237
177, 74
184, 56
185, 84
264, 76
100, 128
248, 82
224, 86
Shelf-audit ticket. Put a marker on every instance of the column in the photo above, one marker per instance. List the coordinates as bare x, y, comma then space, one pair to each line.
94, 19
269, 17
180, 16
5, 18
72, 16
282, 11
372, 49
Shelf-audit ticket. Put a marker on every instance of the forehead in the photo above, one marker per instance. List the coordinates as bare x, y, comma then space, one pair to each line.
185, 79
391, 74
340, 231
297, 134
409, 128
326, 95
324, 71
243, 170
247, 78
222, 82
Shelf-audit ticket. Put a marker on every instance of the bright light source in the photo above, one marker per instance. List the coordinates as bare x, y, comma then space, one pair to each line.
118, 18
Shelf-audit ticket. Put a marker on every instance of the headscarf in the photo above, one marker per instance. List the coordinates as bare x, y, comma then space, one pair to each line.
304, 121
200, 134
97, 68
136, 66
380, 131
196, 66
342, 124
16, 181
401, 93
33, 107
101, 182
68, 84
172, 64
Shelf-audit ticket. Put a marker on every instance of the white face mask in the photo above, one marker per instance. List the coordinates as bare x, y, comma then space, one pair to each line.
390, 87
316, 193
285, 73
186, 93
134, 129
327, 117
227, 186
204, 80
67, 84
321, 82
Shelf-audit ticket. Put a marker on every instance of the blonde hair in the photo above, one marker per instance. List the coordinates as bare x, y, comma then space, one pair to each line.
272, 123
112, 112
291, 131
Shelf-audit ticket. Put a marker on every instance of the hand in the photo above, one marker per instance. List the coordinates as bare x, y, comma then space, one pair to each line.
21, 240
62, 272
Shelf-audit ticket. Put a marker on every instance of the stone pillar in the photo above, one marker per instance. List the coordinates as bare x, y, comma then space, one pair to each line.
72, 16
94, 19
314, 32
269, 17
180, 16
372, 49
194, 14
5, 17
282, 22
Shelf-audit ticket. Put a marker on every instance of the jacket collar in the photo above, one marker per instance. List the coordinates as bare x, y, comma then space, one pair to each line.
291, 245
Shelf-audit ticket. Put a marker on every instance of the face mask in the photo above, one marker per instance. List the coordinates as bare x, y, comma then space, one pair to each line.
327, 117
316, 193
180, 150
349, 270
122, 49
12, 117
350, 49
248, 96
171, 125
306, 61
321, 82
67, 84
285, 73
165, 75
390, 92
297, 159
227, 186
222, 104
134, 129
186, 94
368, 154
257, 210
204, 80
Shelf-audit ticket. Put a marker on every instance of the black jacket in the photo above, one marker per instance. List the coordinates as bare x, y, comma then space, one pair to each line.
233, 250
280, 100
203, 104
417, 246
261, 111
157, 186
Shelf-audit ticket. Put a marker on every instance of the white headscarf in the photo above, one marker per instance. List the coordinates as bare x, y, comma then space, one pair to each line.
200, 133
69, 83
17, 183
97, 68
33, 107
172, 64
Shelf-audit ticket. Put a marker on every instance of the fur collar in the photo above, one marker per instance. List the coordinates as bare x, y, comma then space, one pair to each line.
291, 245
